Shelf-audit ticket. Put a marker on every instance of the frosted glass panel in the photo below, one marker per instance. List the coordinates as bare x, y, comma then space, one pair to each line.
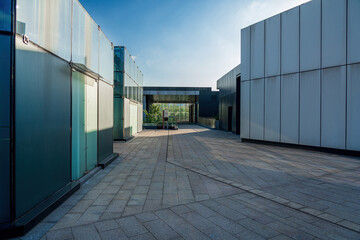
85, 39
46, 23
106, 68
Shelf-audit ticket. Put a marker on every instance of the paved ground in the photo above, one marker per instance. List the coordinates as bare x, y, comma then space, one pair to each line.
196, 183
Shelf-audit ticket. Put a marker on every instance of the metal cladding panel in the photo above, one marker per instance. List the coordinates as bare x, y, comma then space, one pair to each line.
257, 109
353, 107
43, 120
333, 33
245, 110
353, 31
272, 109
245, 54
257, 50
106, 120
310, 35
310, 108
333, 107
290, 41
272, 46
290, 108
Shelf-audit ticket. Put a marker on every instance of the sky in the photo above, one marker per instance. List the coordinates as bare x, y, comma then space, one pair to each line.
188, 43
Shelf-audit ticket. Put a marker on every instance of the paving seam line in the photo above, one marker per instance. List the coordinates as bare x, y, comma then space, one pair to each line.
282, 201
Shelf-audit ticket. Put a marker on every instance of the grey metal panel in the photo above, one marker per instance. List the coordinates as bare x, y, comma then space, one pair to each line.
257, 50
290, 108
310, 35
353, 107
310, 108
333, 107
257, 109
245, 110
245, 54
353, 31
272, 46
333, 33
272, 109
290, 41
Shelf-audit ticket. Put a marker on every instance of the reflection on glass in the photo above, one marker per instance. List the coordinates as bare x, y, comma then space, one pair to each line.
5, 15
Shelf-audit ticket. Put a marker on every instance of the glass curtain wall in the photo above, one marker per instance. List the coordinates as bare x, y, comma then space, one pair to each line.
180, 112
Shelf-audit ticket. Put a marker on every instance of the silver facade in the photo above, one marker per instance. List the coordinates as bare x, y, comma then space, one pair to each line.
300, 73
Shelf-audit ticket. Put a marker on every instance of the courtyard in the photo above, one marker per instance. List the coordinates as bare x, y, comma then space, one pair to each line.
196, 183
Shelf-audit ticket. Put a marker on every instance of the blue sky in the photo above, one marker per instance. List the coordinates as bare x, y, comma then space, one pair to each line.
182, 42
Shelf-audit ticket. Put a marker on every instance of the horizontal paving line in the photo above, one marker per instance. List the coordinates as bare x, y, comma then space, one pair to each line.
285, 202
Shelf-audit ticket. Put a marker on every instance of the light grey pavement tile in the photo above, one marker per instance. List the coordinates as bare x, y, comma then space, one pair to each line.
146, 236
218, 233
60, 234
258, 228
106, 225
249, 235
146, 216
131, 226
87, 232
160, 229
113, 234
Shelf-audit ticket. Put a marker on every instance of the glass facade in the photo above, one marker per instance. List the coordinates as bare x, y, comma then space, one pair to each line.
62, 110
178, 112
128, 95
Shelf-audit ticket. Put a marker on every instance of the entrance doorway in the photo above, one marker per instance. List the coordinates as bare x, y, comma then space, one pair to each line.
230, 110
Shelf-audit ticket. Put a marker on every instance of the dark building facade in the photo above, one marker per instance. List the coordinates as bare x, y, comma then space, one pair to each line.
229, 102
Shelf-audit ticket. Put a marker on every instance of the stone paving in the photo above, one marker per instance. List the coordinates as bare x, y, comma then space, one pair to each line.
196, 183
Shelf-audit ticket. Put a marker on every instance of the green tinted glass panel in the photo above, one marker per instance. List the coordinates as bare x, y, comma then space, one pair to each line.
91, 123
78, 126
118, 118
42, 125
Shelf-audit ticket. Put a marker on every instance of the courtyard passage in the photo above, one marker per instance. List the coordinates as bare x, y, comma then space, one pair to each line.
196, 183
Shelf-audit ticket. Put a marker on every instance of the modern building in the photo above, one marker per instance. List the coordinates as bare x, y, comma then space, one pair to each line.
229, 101
56, 106
128, 95
185, 104
300, 76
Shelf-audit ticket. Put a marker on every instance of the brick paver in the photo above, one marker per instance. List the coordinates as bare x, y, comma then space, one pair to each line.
196, 183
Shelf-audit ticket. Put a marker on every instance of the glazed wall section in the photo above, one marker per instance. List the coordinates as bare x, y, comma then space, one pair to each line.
128, 95
63, 80
6, 46
300, 79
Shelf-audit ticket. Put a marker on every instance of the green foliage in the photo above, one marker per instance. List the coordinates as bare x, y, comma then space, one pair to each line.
154, 114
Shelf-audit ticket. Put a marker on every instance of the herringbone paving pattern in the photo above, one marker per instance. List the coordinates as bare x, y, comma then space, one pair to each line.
196, 183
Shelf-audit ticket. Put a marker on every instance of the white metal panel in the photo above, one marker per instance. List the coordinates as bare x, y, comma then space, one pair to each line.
353, 31
333, 33
310, 108
333, 107
272, 46
257, 50
257, 109
290, 41
310, 35
245, 110
245, 54
272, 109
290, 108
353, 107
